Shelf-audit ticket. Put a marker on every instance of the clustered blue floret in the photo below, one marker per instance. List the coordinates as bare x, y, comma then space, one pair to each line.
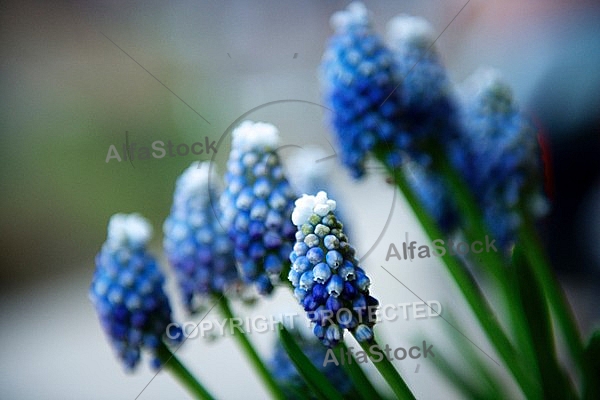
195, 243
357, 76
497, 155
426, 93
257, 204
486, 138
127, 291
327, 278
392, 99
290, 380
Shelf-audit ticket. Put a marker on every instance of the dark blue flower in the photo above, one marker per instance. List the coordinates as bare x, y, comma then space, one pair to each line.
498, 155
127, 291
257, 204
393, 101
327, 279
195, 244
426, 94
357, 76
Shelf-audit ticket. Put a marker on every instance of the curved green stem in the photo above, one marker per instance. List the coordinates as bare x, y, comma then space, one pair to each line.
387, 371
361, 382
556, 298
535, 305
468, 287
321, 387
538, 261
179, 371
253, 356
505, 275
498, 267
363, 385
537, 258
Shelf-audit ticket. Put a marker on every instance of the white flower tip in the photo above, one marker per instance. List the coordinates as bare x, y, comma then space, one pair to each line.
308, 205
356, 14
198, 178
129, 229
251, 135
408, 31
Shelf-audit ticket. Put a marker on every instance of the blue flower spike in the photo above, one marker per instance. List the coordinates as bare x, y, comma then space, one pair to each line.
426, 93
357, 76
257, 204
195, 243
127, 291
331, 287
498, 155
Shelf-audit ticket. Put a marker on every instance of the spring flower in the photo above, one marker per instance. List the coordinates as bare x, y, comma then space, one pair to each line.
498, 155
357, 76
327, 279
127, 290
257, 204
195, 244
287, 376
426, 93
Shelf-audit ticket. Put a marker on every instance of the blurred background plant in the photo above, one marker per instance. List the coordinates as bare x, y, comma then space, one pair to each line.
68, 93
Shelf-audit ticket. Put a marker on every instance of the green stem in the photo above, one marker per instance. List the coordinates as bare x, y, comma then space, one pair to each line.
362, 384
387, 371
469, 288
318, 383
495, 265
556, 298
521, 326
556, 384
470, 387
251, 353
179, 371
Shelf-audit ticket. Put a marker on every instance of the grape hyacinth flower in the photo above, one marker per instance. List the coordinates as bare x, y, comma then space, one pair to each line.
498, 155
257, 204
127, 290
290, 380
327, 279
426, 94
195, 244
357, 76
